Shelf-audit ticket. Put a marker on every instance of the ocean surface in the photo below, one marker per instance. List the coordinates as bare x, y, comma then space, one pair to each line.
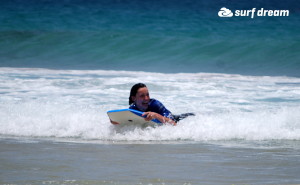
64, 64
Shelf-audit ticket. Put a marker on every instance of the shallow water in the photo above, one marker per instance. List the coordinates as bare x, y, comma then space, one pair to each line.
40, 161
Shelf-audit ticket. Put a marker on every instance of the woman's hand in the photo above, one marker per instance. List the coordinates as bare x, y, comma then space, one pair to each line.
150, 116
153, 115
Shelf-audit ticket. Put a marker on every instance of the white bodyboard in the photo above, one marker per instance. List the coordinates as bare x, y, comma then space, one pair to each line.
127, 117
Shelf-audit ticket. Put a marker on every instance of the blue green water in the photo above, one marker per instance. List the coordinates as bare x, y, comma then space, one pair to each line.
156, 36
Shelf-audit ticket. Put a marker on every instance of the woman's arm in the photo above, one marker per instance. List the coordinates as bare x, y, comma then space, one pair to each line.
154, 115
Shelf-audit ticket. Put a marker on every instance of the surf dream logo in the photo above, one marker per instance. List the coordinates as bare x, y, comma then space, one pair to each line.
225, 12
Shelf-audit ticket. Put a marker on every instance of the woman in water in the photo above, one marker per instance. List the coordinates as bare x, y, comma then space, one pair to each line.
140, 100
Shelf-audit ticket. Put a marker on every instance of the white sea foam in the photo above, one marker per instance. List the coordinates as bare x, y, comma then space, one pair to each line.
69, 103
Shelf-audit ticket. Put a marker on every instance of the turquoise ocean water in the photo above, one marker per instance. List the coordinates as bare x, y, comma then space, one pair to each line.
64, 64
156, 36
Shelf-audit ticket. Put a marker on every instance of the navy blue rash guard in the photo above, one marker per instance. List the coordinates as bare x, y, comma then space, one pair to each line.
155, 106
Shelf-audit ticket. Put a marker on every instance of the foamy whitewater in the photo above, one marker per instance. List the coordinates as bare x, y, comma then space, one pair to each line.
73, 104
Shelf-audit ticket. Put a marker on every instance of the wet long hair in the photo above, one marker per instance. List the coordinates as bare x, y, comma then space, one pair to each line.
134, 90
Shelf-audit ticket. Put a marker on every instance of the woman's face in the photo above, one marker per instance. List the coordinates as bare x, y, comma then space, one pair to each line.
142, 98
